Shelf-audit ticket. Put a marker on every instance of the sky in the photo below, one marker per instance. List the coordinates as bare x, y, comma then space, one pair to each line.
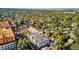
39, 3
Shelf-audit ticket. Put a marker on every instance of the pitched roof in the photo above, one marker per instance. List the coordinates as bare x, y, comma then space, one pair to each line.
6, 32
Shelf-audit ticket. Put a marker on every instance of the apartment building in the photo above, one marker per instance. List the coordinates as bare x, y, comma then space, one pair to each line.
37, 38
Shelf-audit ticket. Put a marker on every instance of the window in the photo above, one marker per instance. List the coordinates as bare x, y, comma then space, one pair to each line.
2, 48
5, 47
11, 45
14, 44
8, 46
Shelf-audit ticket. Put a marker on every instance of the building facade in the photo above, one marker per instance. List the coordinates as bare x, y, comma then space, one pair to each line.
8, 46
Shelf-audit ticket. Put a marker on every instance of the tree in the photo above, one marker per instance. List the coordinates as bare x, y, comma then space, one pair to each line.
22, 43
75, 46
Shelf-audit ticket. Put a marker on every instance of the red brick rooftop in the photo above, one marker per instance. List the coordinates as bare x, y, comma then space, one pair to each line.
6, 33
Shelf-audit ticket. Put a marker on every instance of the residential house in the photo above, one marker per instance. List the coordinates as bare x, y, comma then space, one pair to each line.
7, 37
